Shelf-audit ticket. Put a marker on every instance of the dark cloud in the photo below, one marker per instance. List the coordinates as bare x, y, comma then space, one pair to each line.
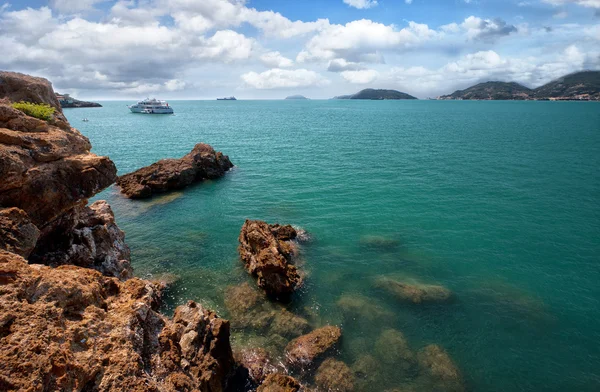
341, 65
493, 29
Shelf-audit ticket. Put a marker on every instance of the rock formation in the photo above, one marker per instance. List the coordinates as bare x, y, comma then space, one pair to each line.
414, 292
334, 376
440, 371
279, 383
65, 327
267, 252
201, 163
304, 350
393, 349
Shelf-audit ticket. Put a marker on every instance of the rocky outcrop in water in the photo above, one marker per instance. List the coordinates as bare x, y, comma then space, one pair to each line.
306, 349
69, 328
414, 292
267, 252
334, 375
440, 371
279, 383
202, 163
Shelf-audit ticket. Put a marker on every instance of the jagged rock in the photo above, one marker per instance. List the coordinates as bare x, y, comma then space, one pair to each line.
392, 348
334, 376
70, 328
279, 383
304, 350
441, 370
415, 292
86, 237
267, 253
257, 362
168, 174
17, 233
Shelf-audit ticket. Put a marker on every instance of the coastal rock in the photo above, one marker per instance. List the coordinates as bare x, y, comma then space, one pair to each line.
392, 348
304, 350
87, 237
334, 376
414, 292
279, 383
441, 370
17, 87
17, 233
257, 363
359, 308
288, 324
201, 163
267, 253
71, 328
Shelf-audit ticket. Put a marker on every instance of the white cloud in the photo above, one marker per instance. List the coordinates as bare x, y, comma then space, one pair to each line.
339, 65
583, 3
480, 29
283, 78
74, 6
360, 77
275, 60
362, 40
361, 4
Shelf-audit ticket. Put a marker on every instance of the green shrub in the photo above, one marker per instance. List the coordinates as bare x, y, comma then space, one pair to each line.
38, 110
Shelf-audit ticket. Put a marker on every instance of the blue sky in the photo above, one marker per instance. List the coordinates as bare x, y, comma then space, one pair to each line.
266, 49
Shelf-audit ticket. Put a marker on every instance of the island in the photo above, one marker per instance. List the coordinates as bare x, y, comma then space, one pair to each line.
292, 97
66, 101
227, 99
377, 95
579, 86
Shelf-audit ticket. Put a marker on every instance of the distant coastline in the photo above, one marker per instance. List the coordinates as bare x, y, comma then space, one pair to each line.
66, 101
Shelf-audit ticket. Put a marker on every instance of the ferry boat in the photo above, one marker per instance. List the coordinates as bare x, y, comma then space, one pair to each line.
151, 106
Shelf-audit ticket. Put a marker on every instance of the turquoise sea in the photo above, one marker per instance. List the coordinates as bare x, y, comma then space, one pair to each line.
497, 201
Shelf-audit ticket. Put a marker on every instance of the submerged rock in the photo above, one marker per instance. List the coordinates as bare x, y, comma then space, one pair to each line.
334, 376
267, 253
379, 242
71, 328
414, 292
257, 363
443, 374
279, 383
201, 163
357, 307
367, 372
304, 350
393, 349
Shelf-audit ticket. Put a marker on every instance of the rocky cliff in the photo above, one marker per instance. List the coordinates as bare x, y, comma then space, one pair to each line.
71, 316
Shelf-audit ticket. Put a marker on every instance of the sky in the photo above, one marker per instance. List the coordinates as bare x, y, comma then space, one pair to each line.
269, 49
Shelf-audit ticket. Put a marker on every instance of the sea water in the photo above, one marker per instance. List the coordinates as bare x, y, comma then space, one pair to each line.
497, 201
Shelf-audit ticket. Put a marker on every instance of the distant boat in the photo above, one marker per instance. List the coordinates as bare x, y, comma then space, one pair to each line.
85, 120
227, 99
151, 106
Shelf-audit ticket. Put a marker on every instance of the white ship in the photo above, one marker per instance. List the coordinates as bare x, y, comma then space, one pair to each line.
151, 106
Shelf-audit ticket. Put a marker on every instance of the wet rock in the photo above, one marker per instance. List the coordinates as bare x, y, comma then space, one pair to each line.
415, 292
87, 237
392, 348
357, 307
257, 362
17, 233
202, 163
334, 376
267, 252
304, 350
71, 328
279, 383
443, 373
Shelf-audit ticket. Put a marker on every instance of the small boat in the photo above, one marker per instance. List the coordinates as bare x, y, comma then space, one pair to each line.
227, 99
151, 106
85, 120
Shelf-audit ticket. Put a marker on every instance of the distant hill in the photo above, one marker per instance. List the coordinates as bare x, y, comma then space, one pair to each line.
373, 94
580, 85
577, 86
296, 97
492, 91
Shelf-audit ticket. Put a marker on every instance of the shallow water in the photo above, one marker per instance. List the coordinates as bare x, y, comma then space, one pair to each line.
497, 201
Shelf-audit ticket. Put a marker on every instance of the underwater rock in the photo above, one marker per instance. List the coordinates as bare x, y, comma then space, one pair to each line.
279, 383
17, 233
267, 253
334, 376
443, 373
286, 323
201, 163
378, 242
361, 308
393, 349
366, 371
304, 350
414, 292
